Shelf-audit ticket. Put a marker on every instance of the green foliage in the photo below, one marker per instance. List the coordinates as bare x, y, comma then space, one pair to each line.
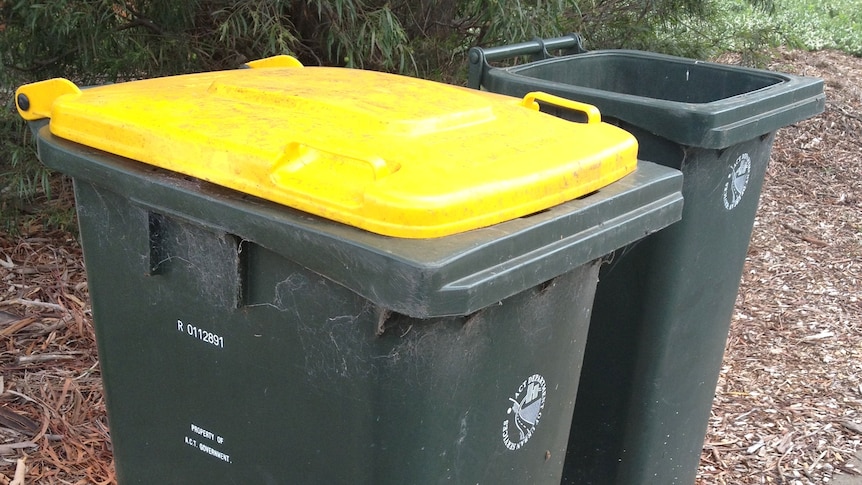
751, 29
728, 27
640, 24
94, 41
829, 24
21, 177
24, 181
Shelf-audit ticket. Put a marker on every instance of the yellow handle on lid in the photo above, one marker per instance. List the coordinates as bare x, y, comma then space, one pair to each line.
275, 61
299, 155
529, 101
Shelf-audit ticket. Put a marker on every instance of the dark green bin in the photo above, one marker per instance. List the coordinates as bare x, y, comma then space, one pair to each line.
663, 306
246, 342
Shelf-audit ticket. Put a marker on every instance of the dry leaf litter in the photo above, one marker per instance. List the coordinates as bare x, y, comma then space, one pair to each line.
788, 407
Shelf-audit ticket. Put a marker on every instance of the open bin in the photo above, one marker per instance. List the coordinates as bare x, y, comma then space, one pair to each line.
663, 307
339, 276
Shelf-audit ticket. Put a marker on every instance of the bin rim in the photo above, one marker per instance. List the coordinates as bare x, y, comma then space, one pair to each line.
454, 275
778, 77
716, 124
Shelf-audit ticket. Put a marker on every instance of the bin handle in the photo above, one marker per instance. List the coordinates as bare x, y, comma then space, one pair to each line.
479, 57
535, 46
529, 101
297, 155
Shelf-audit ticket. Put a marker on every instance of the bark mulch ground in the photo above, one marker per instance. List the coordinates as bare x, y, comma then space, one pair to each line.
788, 408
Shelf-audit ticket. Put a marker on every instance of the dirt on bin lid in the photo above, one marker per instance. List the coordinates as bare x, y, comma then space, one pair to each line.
788, 407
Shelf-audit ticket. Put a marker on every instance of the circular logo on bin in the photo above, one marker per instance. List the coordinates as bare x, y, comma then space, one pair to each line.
737, 181
524, 412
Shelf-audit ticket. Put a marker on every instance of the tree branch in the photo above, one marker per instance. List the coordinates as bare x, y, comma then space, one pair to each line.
141, 22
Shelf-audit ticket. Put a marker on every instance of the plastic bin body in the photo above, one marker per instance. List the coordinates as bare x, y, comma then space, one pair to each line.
242, 341
663, 307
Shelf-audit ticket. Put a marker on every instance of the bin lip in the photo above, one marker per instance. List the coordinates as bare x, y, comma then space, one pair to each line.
452, 275
781, 80
716, 124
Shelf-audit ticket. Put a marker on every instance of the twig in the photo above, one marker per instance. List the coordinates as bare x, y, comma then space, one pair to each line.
17, 422
7, 263
811, 467
856, 428
718, 457
792, 229
813, 240
39, 304
8, 448
39, 64
778, 465
22, 396
50, 328
14, 327
805, 237
30, 359
88, 371
847, 113
141, 22
20, 470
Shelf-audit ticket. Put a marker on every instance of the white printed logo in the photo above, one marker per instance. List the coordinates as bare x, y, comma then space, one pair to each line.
525, 412
737, 181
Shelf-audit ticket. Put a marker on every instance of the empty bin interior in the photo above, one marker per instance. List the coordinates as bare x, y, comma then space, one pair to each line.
681, 80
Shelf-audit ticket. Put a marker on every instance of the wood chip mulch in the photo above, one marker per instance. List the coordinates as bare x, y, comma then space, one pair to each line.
51, 407
788, 407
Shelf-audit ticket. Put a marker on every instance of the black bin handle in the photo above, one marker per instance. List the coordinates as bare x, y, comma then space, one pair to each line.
480, 58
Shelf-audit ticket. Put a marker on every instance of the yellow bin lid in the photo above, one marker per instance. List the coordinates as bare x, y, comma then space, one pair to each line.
394, 155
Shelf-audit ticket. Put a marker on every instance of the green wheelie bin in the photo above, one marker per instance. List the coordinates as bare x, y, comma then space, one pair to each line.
663, 306
335, 276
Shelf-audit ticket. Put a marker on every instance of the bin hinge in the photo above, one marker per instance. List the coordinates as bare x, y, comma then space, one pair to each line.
34, 101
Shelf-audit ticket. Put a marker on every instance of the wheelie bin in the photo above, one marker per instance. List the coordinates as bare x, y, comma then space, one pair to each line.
663, 306
324, 275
